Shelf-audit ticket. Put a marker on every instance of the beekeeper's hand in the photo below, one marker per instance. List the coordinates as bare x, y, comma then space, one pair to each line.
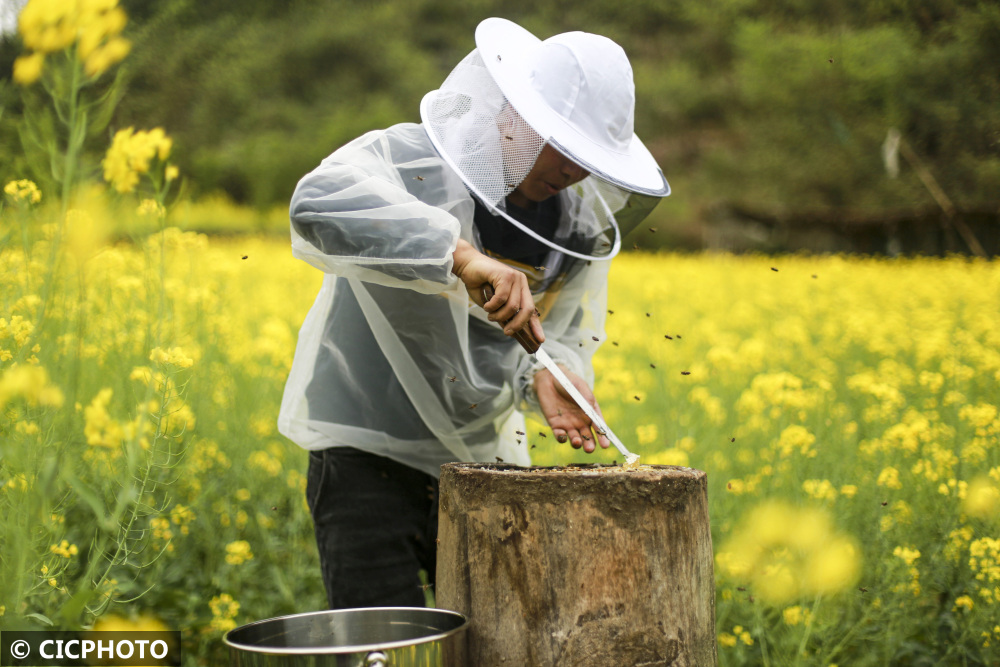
567, 420
512, 297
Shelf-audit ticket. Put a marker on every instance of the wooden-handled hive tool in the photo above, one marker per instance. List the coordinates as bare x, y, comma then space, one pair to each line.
532, 346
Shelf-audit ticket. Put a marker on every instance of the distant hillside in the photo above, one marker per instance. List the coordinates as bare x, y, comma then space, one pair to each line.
777, 106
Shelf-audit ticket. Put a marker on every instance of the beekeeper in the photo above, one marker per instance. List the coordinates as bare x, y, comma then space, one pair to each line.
524, 175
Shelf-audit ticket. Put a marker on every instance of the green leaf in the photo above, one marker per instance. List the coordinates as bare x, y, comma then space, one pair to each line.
90, 498
41, 618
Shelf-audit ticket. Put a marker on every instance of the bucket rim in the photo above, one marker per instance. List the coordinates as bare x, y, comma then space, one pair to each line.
353, 648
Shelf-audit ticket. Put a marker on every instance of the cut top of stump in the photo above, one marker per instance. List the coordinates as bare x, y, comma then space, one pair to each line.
615, 489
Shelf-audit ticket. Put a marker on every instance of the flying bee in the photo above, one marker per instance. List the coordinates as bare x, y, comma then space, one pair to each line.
652, 230
518, 441
615, 343
519, 432
425, 587
652, 365
774, 269
508, 137
499, 460
595, 339
741, 589
611, 312
498, 58
419, 178
474, 406
884, 503
539, 268
862, 589
605, 245
274, 508
685, 372
533, 446
635, 246
542, 433
732, 440
452, 378
678, 335
648, 315
637, 398
668, 337
814, 276
245, 256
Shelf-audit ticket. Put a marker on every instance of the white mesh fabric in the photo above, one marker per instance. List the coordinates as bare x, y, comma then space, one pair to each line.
487, 142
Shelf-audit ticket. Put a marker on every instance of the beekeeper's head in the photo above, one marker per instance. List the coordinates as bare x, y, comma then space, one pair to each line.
527, 119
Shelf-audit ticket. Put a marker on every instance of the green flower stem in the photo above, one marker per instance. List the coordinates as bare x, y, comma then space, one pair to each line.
809, 627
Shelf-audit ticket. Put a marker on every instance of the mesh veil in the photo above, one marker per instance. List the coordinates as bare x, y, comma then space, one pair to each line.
476, 130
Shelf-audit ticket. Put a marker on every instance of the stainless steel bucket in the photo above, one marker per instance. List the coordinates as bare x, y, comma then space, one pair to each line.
376, 637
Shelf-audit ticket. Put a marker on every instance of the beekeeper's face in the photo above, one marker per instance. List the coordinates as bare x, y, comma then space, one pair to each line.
551, 173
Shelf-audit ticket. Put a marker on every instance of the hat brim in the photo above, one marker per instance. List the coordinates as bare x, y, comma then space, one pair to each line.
505, 48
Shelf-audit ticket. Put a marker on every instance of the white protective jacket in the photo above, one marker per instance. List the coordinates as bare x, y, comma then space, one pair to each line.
394, 358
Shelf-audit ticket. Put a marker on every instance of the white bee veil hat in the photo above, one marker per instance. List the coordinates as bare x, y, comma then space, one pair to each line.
515, 93
576, 90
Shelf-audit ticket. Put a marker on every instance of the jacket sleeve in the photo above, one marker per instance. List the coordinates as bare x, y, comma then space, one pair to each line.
356, 216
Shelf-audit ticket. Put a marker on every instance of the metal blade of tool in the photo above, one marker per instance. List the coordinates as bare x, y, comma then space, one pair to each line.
585, 405
532, 346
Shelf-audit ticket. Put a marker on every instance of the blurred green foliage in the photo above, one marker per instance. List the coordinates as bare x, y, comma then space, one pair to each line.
778, 105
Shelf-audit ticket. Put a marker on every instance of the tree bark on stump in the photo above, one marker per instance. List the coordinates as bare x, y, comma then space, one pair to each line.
578, 566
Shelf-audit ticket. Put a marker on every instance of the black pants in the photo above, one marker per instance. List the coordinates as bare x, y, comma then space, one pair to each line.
376, 528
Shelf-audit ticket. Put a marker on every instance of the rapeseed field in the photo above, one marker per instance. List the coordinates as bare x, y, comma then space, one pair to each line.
845, 410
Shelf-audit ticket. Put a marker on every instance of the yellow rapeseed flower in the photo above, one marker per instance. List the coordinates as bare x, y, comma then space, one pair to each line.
87, 231
982, 499
30, 383
726, 639
64, 549
99, 427
115, 623
669, 457
28, 69
787, 551
907, 554
795, 615
889, 478
238, 552
151, 208
49, 26
819, 489
174, 356
224, 610
264, 461
111, 53
130, 155
646, 434
963, 602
